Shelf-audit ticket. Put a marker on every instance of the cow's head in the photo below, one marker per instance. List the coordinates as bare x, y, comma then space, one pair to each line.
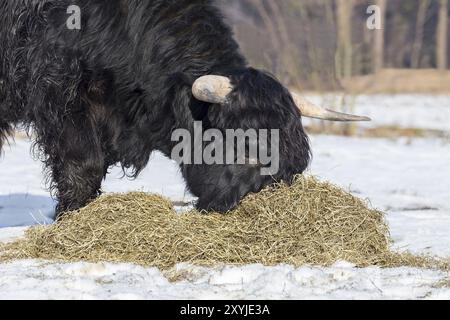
252, 99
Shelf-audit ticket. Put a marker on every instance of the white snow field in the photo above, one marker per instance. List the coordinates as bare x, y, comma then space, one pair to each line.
408, 178
407, 111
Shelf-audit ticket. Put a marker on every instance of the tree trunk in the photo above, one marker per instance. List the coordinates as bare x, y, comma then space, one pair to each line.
418, 39
442, 34
378, 50
344, 50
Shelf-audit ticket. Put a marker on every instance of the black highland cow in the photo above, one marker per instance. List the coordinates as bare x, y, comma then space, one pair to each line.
114, 91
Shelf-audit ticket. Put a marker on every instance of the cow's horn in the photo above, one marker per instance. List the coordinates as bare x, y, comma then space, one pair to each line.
215, 89
212, 89
310, 110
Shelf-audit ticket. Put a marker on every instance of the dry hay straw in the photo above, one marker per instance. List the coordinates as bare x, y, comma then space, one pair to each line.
310, 222
443, 284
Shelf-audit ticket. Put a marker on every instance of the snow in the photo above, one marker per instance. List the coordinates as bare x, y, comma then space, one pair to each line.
39, 280
408, 178
430, 112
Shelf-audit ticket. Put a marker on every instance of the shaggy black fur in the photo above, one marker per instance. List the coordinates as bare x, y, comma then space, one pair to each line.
114, 92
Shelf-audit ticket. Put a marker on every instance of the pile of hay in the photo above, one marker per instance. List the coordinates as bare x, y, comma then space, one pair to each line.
309, 222
443, 284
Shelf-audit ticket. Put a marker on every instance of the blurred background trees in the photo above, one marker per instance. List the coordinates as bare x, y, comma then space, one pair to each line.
323, 44
442, 36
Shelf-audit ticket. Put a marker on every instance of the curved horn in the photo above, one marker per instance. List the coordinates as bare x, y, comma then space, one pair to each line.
310, 110
212, 89
215, 89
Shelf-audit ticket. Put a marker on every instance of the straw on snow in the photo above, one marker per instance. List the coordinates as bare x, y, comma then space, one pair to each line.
309, 222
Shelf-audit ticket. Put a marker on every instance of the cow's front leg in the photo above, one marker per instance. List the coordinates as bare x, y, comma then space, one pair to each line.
78, 184
77, 166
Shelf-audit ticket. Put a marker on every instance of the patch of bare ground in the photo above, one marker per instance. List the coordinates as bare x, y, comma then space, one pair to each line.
395, 81
376, 132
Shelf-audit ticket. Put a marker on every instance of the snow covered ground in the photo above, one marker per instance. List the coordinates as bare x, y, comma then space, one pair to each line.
407, 111
410, 179
36, 280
